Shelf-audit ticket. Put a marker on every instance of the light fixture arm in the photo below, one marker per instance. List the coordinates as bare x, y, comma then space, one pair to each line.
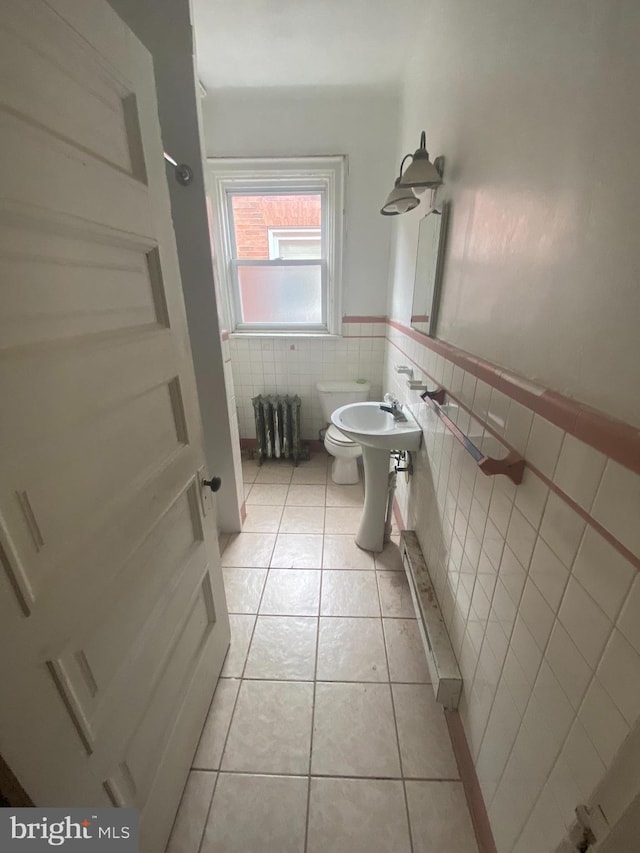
404, 160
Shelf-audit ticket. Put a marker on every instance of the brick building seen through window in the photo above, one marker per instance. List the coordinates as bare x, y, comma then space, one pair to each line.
279, 227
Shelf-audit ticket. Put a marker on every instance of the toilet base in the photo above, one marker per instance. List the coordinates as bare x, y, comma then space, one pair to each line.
344, 471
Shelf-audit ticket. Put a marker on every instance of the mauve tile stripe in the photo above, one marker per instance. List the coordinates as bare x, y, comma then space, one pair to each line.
224, 335
614, 438
620, 548
243, 512
467, 770
381, 319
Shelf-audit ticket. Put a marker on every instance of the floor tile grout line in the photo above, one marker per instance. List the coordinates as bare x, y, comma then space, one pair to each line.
324, 680
395, 723
208, 814
313, 707
325, 615
291, 775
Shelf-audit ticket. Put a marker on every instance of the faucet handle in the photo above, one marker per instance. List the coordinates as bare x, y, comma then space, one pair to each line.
393, 402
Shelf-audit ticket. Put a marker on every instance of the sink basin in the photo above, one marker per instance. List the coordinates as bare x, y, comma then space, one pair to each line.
370, 426
378, 433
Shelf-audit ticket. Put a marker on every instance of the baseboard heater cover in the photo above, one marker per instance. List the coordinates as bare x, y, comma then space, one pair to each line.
443, 667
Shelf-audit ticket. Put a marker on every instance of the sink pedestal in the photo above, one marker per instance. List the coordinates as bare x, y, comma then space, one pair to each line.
370, 535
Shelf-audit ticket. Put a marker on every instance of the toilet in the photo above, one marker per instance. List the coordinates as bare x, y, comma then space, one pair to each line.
345, 452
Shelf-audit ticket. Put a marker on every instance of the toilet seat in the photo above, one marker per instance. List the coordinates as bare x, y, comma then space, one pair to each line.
334, 436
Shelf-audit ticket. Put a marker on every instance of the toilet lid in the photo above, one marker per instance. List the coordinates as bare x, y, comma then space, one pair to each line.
336, 437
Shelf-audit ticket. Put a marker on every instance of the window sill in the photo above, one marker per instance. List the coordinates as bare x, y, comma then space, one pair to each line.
324, 336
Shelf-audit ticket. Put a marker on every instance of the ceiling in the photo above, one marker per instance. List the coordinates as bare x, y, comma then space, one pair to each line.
284, 43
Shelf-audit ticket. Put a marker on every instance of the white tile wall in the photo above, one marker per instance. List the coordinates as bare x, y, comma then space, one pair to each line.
279, 365
543, 611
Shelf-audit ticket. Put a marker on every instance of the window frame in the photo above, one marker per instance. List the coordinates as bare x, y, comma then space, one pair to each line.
276, 233
278, 176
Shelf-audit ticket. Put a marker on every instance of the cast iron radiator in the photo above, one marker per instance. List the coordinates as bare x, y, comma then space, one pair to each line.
277, 426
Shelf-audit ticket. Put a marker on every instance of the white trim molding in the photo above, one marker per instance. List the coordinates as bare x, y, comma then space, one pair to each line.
323, 175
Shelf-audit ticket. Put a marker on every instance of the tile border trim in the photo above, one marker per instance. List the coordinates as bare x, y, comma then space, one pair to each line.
616, 439
589, 519
469, 778
366, 319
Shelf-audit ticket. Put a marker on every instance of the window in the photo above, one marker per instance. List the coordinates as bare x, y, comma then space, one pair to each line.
285, 244
278, 240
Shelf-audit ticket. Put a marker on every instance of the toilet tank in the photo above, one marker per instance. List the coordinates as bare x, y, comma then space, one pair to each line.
334, 394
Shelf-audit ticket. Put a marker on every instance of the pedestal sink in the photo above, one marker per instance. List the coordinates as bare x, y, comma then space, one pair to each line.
378, 433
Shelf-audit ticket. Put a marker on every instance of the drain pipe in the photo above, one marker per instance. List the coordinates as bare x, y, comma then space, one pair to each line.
404, 462
391, 493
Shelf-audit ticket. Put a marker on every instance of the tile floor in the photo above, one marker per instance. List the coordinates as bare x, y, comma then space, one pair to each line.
323, 734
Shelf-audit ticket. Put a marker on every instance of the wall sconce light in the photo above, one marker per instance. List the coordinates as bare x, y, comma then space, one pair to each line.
421, 175
399, 200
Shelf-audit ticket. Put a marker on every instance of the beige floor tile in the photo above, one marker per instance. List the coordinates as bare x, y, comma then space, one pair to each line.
275, 472
405, 652
352, 593
297, 551
439, 818
389, 558
262, 519
243, 588
257, 814
291, 592
311, 475
341, 552
271, 728
249, 550
354, 733
358, 816
250, 470
351, 496
318, 459
342, 519
192, 813
302, 519
215, 730
247, 488
351, 650
395, 595
306, 496
223, 541
425, 745
267, 494
283, 647
241, 630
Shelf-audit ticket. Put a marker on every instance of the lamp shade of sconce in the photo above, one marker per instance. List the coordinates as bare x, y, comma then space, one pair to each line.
400, 200
422, 173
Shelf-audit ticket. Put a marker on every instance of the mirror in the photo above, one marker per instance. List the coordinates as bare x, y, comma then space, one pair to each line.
429, 263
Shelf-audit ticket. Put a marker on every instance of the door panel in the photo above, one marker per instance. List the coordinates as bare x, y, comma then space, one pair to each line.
111, 597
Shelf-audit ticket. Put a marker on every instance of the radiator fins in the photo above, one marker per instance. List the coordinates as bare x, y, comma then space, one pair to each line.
277, 426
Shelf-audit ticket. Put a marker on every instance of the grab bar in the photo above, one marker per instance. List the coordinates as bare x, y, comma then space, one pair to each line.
512, 465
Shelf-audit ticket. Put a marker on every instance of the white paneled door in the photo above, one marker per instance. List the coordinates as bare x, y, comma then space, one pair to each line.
113, 623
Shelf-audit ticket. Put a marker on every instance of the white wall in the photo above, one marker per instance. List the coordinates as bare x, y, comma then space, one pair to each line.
164, 27
359, 123
535, 107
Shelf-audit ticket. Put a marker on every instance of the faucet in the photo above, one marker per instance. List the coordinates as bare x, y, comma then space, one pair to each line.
394, 408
